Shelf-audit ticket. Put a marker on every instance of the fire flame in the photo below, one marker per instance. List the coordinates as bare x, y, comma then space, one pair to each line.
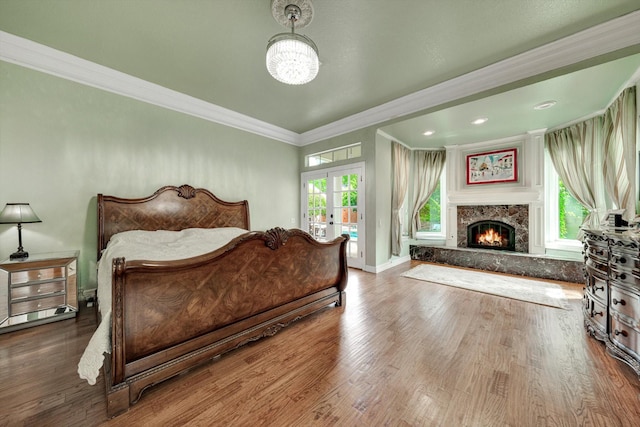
492, 238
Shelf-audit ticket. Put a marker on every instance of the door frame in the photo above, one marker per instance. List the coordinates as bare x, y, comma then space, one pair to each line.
324, 173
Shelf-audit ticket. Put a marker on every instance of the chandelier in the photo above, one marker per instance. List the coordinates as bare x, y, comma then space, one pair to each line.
292, 58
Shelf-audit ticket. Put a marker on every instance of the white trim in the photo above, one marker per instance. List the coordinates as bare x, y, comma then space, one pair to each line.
395, 261
359, 168
36, 56
604, 38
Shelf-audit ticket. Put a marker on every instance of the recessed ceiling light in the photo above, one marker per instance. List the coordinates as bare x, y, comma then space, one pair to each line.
480, 121
428, 132
544, 105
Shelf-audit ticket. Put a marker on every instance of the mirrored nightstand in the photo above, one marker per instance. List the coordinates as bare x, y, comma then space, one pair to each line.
39, 289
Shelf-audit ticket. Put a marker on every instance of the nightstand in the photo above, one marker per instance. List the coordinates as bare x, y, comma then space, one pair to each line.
39, 289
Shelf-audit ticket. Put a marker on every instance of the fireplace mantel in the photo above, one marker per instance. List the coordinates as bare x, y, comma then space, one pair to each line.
495, 196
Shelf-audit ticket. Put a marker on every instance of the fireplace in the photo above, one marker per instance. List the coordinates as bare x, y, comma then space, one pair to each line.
513, 217
491, 235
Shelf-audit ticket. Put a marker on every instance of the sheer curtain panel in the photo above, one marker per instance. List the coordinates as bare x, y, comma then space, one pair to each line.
400, 169
577, 155
619, 151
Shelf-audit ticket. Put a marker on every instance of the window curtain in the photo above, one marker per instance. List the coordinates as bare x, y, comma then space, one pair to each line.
427, 168
577, 155
619, 149
400, 169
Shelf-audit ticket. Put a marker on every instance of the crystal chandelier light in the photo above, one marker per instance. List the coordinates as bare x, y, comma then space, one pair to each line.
292, 58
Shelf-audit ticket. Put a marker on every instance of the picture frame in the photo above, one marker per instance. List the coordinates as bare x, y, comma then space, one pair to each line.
491, 167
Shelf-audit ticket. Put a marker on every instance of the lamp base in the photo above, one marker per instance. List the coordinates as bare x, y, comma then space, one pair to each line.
19, 255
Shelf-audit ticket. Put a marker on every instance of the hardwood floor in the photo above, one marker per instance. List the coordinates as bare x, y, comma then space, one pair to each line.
401, 353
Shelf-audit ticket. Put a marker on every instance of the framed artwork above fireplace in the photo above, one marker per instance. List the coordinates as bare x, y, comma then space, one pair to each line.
492, 167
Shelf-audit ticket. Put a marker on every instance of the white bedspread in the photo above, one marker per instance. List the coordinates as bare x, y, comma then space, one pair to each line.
143, 245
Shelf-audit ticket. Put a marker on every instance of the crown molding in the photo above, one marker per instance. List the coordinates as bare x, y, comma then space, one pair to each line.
36, 56
601, 39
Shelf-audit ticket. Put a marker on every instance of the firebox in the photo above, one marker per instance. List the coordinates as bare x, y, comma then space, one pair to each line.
491, 235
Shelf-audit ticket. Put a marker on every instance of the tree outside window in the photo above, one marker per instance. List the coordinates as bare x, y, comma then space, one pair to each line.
430, 214
571, 213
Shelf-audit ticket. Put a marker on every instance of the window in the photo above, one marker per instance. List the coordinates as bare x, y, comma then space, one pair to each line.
334, 155
571, 214
564, 214
433, 214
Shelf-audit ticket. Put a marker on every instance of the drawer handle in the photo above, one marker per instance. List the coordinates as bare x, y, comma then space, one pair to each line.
598, 313
39, 305
623, 333
621, 276
39, 290
39, 275
621, 302
598, 288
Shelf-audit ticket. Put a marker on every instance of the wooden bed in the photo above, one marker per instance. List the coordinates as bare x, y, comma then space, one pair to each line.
169, 316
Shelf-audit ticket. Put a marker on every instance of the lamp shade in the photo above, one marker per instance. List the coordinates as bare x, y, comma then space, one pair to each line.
292, 58
18, 213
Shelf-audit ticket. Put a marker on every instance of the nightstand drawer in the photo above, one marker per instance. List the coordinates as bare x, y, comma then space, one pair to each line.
18, 277
36, 304
38, 289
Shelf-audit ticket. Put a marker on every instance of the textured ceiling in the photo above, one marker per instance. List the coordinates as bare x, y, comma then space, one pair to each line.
372, 51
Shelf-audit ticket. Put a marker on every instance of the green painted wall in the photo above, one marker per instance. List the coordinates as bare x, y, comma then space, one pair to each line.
61, 143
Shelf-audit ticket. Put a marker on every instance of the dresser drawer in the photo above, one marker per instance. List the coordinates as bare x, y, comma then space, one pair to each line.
25, 276
625, 335
37, 289
597, 287
36, 304
597, 312
624, 302
625, 260
597, 267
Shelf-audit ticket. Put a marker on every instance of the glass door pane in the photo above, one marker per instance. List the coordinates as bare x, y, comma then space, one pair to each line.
317, 208
346, 216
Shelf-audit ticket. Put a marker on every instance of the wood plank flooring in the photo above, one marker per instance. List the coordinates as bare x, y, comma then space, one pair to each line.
401, 353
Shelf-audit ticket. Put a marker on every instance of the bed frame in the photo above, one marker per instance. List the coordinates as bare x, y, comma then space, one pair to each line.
169, 316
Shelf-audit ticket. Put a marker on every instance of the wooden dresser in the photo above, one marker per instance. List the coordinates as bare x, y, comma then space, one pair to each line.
39, 289
612, 293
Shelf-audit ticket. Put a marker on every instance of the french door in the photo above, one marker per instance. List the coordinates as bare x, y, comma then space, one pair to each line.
333, 204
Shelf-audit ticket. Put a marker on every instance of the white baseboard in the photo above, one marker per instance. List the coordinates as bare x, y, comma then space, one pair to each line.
387, 265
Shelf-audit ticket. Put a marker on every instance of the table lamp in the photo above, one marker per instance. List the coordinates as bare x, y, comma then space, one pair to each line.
18, 213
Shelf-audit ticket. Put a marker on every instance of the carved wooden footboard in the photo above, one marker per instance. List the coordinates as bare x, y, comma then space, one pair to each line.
169, 316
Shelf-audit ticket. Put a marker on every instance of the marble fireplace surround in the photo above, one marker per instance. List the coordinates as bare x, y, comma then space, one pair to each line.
516, 216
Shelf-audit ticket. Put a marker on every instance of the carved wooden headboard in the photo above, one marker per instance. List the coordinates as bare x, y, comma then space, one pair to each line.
169, 208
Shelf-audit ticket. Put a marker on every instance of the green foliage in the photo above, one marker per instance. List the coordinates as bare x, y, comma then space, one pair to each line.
562, 210
570, 213
317, 194
430, 213
350, 190
316, 197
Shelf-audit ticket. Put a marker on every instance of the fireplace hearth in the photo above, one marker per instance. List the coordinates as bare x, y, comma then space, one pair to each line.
491, 235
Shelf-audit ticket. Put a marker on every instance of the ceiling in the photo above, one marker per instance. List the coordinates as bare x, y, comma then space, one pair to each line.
373, 53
